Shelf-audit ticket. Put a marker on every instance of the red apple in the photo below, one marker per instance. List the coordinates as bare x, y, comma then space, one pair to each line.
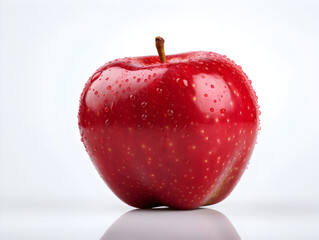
174, 132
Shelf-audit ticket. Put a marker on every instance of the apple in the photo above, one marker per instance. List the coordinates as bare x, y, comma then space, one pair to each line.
171, 225
175, 130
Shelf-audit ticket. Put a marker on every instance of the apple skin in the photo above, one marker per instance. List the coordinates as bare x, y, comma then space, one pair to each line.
177, 134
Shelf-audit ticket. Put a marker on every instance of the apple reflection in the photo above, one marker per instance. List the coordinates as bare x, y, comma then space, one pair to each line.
172, 224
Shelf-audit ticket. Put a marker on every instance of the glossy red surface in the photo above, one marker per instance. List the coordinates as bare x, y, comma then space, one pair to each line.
178, 133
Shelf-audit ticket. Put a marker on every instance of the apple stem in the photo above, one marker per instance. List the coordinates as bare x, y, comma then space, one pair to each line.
159, 43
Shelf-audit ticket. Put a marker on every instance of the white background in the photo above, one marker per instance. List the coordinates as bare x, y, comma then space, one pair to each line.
48, 50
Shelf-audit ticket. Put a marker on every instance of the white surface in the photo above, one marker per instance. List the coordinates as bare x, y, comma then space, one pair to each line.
258, 221
50, 48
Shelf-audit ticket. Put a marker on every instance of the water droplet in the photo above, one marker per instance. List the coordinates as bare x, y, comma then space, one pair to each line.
144, 104
107, 122
159, 90
92, 130
222, 111
139, 126
170, 112
106, 109
96, 92
212, 86
95, 76
144, 117
182, 83
108, 88
212, 109
132, 97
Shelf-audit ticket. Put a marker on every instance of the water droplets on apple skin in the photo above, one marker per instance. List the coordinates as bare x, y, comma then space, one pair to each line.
159, 90
132, 97
182, 83
144, 104
96, 76
222, 111
249, 83
170, 112
144, 117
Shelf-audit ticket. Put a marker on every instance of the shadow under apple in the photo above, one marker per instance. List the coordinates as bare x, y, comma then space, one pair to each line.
170, 224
